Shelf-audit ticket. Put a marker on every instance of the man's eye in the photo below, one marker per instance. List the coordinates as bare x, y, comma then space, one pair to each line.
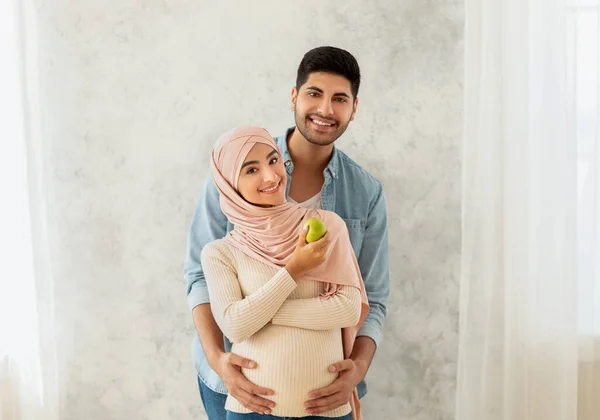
313, 94
341, 99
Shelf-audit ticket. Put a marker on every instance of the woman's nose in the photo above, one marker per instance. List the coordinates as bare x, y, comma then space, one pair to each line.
270, 175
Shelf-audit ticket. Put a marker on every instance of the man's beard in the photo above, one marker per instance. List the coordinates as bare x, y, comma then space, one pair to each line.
319, 139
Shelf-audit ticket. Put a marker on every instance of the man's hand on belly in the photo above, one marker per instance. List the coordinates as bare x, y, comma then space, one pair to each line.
352, 371
228, 367
340, 391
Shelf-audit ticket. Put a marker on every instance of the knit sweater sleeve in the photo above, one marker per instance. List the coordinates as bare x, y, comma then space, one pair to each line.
338, 311
238, 316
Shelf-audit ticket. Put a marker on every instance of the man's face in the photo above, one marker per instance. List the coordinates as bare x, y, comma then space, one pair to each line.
323, 107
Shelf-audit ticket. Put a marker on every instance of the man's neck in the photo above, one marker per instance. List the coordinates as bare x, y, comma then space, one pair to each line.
308, 157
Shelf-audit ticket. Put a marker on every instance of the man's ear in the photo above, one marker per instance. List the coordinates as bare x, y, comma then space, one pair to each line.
354, 109
294, 97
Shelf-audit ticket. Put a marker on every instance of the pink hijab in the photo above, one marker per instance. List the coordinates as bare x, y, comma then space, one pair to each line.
270, 234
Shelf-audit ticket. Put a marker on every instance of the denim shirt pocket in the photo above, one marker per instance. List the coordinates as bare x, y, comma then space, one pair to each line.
356, 230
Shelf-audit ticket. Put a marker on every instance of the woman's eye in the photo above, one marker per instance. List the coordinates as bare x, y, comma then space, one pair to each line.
274, 160
251, 171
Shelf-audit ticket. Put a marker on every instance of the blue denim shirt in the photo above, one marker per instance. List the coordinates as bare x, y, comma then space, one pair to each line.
348, 190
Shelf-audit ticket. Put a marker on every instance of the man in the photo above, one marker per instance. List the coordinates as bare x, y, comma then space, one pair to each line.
324, 102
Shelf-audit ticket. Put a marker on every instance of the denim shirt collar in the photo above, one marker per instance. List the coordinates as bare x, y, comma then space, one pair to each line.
332, 166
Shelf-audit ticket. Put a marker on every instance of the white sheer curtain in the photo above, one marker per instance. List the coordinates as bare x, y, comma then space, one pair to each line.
530, 282
584, 25
27, 356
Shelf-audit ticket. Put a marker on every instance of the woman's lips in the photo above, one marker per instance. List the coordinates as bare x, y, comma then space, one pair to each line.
271, 191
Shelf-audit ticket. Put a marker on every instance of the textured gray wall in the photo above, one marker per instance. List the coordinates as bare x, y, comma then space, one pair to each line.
134, 95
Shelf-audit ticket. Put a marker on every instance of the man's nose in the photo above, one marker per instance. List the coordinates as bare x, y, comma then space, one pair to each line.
325, 107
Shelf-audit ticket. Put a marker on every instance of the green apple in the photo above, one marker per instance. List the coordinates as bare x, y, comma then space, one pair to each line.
316, 229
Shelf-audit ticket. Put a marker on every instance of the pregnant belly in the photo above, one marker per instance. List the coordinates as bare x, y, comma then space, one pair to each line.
291, 361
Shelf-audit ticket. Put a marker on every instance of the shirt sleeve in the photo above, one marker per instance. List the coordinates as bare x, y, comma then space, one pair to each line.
208, 224
373, 261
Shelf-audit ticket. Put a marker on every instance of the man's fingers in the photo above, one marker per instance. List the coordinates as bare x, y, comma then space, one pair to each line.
251, 388
324, 392
341, 366
322, 405
240, 361
256, 401
323, 401
257, 390
252, 402
321, 409
242, 389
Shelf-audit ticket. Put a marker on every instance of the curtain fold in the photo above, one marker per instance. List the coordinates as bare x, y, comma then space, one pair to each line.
530, 245
28, 373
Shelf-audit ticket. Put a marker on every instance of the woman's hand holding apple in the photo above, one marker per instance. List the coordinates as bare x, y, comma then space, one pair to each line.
307, 256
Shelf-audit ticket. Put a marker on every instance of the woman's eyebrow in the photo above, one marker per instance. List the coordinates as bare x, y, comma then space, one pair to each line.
252, 162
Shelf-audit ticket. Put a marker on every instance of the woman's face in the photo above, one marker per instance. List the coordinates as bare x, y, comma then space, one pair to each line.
263, 178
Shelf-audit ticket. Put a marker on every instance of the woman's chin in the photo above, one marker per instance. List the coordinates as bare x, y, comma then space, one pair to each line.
272, 201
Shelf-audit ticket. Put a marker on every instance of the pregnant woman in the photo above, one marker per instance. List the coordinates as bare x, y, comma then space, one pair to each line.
293, 307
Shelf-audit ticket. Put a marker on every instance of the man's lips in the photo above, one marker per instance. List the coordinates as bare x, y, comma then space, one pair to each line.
322, 122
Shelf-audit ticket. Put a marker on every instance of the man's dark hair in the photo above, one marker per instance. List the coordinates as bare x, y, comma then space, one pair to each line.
329, 60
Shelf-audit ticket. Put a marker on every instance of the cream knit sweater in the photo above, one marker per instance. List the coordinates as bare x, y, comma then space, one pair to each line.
304, 337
